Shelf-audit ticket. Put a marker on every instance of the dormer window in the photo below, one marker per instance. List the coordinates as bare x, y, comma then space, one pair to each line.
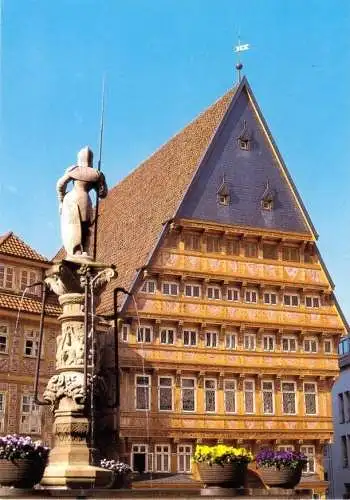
244, 138
267, 199
223, 193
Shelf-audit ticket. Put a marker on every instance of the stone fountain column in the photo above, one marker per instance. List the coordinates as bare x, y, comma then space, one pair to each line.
68, 391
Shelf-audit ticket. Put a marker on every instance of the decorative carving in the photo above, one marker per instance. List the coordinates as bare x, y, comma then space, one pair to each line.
70, 346
69, 385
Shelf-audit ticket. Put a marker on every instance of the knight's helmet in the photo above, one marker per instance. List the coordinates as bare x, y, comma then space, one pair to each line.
85, 157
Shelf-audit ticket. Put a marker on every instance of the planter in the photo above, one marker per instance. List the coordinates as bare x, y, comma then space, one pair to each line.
229, 475
22, 472
283, 478
120, 481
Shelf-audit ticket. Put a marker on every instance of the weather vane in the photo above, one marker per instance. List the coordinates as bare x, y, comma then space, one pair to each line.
241, 47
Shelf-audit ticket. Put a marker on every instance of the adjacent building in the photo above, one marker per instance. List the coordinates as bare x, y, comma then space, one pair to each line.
232, 329
337, 455
20, 307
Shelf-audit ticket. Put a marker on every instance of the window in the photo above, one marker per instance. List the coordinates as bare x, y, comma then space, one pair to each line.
144, 334
170, 288
267, 397
192, 290
249, 396
243, 144
232, 247
341, 408
270, 298
310, 345
4, 332
344, 449
210, 395
30, 422
312, 301
184, 454
172, 239
285, 447
291, 254
291, 300
7, 275
230, 396
214, 292
231, 341
211, 339
213, 244
141, 460
233, 294
190, 337
269, 342
310, 398
309, 451
328, 346
2, 411
27, 278
125, 332
251, 296
188, 394
192, 241
31, 343
165, 393
251, 249
289, 344
149, 286
162, 456
167, 336
288, 398
270, 251
267, 204
347, 401
249, 341
143, 388
224, 199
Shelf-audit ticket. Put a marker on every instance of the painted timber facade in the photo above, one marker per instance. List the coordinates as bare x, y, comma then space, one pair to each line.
233, 331
22, 266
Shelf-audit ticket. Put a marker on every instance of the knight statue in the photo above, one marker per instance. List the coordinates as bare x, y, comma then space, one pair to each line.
75, 205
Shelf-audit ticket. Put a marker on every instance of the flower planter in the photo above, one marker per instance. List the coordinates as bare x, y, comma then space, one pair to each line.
21, 472
285, 477
229, 475
120, 481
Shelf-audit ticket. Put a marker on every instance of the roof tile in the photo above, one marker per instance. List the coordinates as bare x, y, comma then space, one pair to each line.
10, 244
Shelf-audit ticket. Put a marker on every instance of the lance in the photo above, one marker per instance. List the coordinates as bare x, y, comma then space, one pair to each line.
99, 163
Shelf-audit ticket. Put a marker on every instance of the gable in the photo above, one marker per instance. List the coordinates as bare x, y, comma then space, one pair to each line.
247, 174
12, 245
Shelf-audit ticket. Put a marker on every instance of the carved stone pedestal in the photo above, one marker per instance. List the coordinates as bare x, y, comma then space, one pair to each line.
69, 390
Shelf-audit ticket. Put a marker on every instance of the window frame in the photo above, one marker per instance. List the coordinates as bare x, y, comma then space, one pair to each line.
32, 336
289, 338
251, 249
146, 375
194, 389
250, 336
244, 396
213, 241
205, 390
234, 391
270, 293
316, 398
185, 454
313, 455
138, 333
230, 335
214, 288
162, 455
310, 340
3, 400
330, 341
171, 387
125, 338
170, 284
291, 296
192, 286
34, 414
272, 391
192, 241
145, 286
312, 299
190, 332
269, 336
288, 392
250, 291
211, 335
6, 336
167, 331
290, 249
233, 291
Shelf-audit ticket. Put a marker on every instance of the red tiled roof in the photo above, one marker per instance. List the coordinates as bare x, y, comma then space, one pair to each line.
30, 305
10, 244
132, 215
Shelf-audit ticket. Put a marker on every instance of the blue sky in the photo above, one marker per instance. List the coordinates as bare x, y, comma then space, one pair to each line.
165, 61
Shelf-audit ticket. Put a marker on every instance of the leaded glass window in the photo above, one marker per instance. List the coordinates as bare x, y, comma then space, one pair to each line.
211, 339
230, 396
144, 334
210, 395
288, 398
268, 397
162, 457
167, 336
249, 396
184, 454
188, 394
309, 451
143, 386
231, 341
310, 398
4, 338
165, 394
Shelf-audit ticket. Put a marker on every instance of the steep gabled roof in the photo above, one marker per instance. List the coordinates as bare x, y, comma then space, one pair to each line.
132, 216
12, 245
